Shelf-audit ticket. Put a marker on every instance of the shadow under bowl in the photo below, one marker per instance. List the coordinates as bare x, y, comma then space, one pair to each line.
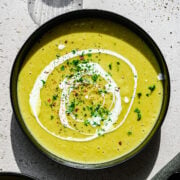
14, 176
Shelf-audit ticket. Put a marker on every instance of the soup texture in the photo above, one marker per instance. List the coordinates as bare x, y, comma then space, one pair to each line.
90, 91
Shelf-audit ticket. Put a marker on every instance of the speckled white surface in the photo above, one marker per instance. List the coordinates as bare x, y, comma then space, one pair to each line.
161, 19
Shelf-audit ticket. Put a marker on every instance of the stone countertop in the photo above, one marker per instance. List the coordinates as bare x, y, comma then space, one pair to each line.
161, 19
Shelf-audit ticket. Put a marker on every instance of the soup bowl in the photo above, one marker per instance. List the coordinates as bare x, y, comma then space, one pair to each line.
101, 15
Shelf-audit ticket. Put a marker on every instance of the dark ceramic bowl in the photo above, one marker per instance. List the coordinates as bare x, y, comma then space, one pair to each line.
14, 176
73, 16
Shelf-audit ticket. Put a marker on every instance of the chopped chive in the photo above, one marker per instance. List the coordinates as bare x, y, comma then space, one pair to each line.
73, 51
75, 62
139, 117
71, 107
152, 88
102, 91
44, 82
100, 132
137, 110
95, 124
52, 117
94, 77
129, 133
138, 114
55, 97
86, 122
110, 66
89, 55
80, 79
62, 68
139, 95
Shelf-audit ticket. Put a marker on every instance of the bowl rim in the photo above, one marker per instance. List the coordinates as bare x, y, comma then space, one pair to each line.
101, 14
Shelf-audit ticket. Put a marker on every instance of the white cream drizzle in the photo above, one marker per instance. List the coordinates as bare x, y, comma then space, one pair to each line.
160, 77
126, 99
35, 101
61, 46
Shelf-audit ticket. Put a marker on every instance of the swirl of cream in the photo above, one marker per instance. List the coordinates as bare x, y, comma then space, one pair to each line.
67, 87
35, 101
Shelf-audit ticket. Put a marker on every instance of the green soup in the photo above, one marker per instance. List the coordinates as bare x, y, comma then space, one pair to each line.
90, 91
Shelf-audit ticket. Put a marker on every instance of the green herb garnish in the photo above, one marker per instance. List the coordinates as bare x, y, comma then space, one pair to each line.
137, 110
152, 88
54, 97
71, 107
139, 95
101, 132
86, 122
98, 111
67, 62
102, 91
138, 114
52, 117
80, 79
94, 77
95, 124
62, 68
73, 51
89, 55
75, 62
110, 66
129, 133
44, 82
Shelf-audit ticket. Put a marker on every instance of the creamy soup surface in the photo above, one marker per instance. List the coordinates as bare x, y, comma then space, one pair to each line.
90, 91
